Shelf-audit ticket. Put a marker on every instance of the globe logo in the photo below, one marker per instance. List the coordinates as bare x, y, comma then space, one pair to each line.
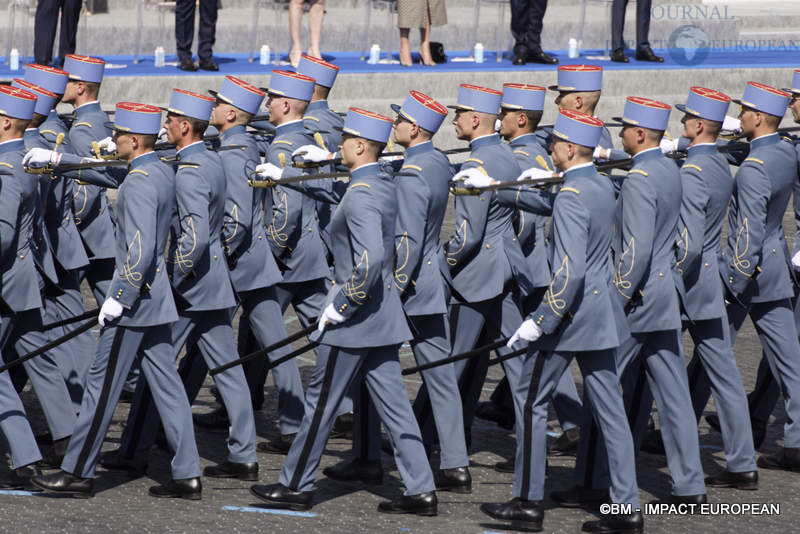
689, 45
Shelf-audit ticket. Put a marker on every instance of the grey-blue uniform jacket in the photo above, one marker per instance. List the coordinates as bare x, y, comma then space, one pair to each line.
646, 277
484, 251
421, 273
90, 206
363, 234
145, 204
293, 232
530, 228
579, 311
707, 186
756, 250
197, 265
20, 289
251, 263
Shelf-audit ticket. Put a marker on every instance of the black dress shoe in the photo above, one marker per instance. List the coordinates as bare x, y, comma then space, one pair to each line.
490, 411
786, 459
540, 56
506, 466
520, 58
580, 497
207, 63
632, 523
67, 483
759, 428
126, 397
343, 427
240, 470
747, 480
44, 438
566, 444
523, 515
214, 420
700, 498
279, 496
619, 56
646, 54
188, 65
457, 480
277, 446
186, 488
421, 504
653, 443
20, 479
116, 461
368, 471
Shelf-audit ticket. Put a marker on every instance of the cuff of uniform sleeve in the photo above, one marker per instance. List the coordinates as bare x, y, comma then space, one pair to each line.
344, 305
126, 294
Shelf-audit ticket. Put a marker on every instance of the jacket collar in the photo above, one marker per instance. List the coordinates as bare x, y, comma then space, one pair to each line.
144, 159
765, 140
524, 139
11, 146
651, 154
194, 148
291, 127
365, 171
486, 140
317, 105
87, 108
705, 148
580, 171
421, 148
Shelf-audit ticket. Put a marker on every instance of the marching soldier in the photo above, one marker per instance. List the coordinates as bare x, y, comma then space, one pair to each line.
135, 317
707, 185
579, 318
756, 266
363, 325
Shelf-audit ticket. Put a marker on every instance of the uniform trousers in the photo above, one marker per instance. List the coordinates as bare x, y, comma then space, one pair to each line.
184, 28
15, 427
44, 29
618, 23
117, 347
333, 374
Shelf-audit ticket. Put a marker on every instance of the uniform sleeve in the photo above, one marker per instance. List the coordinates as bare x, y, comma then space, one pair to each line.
192, 197
80, 140
529, 199
692, 223
138, 210
637, 199
753, 190
363, 219
472, 212
238, 219
413, 199
10, 202
796, 201
570, 234
287, 203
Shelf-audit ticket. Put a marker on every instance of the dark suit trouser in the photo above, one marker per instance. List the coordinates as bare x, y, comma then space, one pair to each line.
184, 27
618, 23
44, 29
526, 22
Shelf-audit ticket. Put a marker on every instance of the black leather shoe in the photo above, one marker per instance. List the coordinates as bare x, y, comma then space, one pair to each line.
116, 461
343, 427
240, 470
279, 496
540, 56
126, 397
207, 63
786, 459
759, 428
580, 497
520, 56
188, 65
523, 515
67, 483
506, 466
653, 443
566, 444
421, 504
489, 411
457, 480
20, 479
632, 523
277, 446
368, 471
700, 498
214, 420
619, 56
186, 488
747, 480
646, 54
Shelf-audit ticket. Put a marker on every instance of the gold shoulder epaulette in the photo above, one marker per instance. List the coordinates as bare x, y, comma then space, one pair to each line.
311, 117
188, 165
282, 142
409, 166
521, 152
140, 171
47, 131
756, 160
360, 184
82, 123
476, 160
692, 166
571, 190
637, 171
4, 164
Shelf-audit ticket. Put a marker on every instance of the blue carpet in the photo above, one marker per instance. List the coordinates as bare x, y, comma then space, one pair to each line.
457, 61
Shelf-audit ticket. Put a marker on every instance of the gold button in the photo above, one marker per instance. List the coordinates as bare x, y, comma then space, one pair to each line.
487, 246
22, 256
309, 229
773, 251
596, 292
215, 256
429, 262
158, 269
660, 274
513, 239
389, 286
707, 265
260, 237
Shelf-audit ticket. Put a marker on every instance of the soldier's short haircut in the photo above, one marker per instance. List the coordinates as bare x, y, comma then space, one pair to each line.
375, 146
243, 117
590, 99
654, 135
534, 117
772, 120
584, 151
712, 127
92, 89
19, 124
148, 140
199, 127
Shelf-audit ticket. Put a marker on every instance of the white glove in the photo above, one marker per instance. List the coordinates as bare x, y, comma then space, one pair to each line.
796, 260
668, 145
312, 153
497, 125
268, 170
162, 132
601, 153
535, 173
527, 331
39, 157
107, 145
473, 177
110, 310
329, 315
732, 124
